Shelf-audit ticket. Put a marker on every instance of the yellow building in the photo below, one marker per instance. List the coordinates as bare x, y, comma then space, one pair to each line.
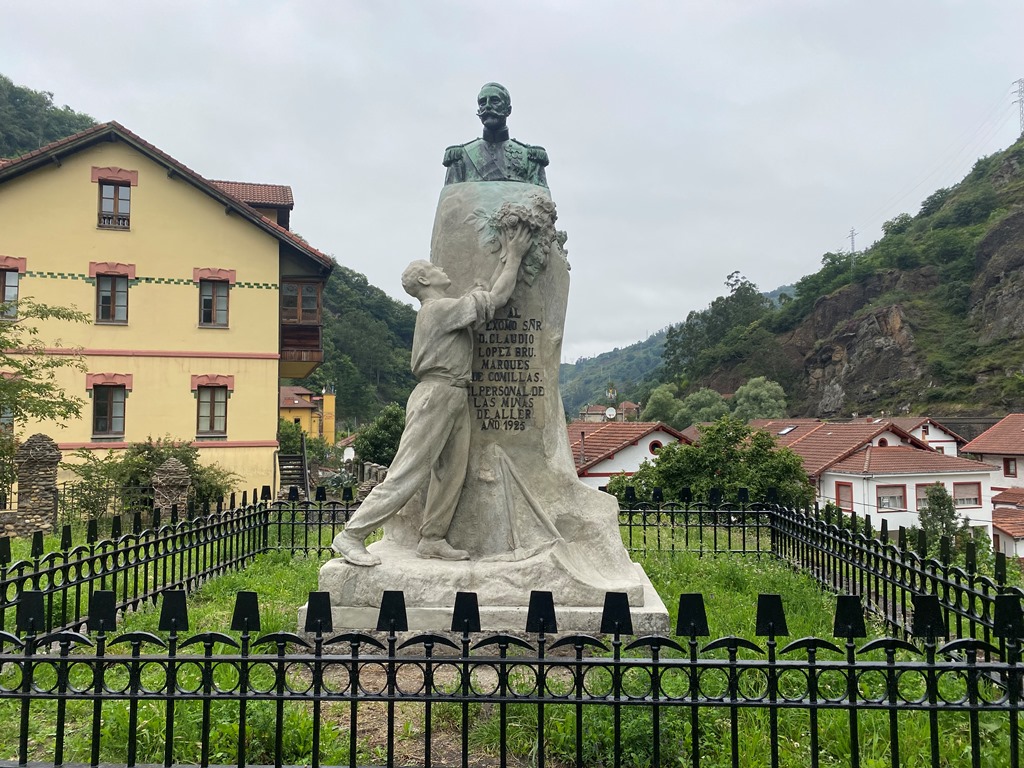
201, 298
313, 413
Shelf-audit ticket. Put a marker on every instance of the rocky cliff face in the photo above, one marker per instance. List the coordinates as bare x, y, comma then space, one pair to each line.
852, 356
997, 294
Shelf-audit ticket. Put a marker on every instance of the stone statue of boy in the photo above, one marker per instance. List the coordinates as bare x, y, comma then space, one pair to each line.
495, 157
434, 449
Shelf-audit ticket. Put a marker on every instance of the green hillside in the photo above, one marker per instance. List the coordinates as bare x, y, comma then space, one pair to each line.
367, 343
929, 318
587, 380
29, 119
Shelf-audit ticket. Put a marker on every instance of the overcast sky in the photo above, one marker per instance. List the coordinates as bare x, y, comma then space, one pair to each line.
687, 139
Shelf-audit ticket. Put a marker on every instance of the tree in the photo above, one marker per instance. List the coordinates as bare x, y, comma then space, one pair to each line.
687, 344
759, 398
29, 119
378, 440
729, 455
289, 437
28, 386
700, 406
663, 406
938, 517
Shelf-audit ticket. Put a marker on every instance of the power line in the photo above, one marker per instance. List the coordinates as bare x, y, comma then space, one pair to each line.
1020, 101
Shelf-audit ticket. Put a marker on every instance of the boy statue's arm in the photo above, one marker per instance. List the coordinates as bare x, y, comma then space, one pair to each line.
513, 248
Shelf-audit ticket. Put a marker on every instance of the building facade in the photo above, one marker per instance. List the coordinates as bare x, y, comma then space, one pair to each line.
199, 303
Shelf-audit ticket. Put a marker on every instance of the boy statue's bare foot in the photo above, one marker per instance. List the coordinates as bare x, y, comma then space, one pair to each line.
440, 549
352, 549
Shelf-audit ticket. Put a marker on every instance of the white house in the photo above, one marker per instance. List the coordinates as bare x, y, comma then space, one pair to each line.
1002, 446
1008, 522
602, 451
876, 467
939, 437
889, 483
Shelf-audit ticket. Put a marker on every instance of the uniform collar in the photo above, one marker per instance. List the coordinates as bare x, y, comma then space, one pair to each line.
495, 137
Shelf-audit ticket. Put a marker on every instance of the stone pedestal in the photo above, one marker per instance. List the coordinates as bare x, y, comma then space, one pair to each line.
524, 516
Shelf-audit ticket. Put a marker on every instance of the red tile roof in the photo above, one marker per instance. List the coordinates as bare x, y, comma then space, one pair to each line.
106, 131
830, 442
786, 431
295, 397
1006, 437
1012, 497
1009, 520
258, 195
904, 460
603, 440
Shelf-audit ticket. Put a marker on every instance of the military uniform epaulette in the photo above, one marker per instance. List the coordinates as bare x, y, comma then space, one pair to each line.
539, 155
452, 154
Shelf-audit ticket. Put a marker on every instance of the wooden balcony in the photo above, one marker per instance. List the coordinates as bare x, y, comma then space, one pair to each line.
301, 349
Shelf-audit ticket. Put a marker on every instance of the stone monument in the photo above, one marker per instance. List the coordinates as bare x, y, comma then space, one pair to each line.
483, 494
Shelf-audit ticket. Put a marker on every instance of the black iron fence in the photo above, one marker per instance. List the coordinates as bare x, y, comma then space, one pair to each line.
244, 698
700, 700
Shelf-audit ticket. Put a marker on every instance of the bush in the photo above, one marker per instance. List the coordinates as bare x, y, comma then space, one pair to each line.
378, 440
103, 481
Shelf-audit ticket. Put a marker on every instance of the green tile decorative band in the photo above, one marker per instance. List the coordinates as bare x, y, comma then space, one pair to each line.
152, 280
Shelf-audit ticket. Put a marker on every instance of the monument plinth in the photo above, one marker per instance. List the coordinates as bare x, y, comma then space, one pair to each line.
520, 519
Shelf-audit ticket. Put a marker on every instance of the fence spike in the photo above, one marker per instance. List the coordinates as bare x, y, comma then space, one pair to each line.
293, 493
115, 527
944, 554
5, 550
771, 618
1000, 569
1007, 617
102, 611
65, 537
615, 617
174, 612
541, 614
630, 495
318, 613
137, 522
466, 616
246, 615
849, 621
346, 493
901, 539
92, 531
884, 533
922, 543
928, 621
321, 493
686, 495
392, 616
657, 495
231, 501
743, 496
692, 618
971, 557
37, 544
715, 497
266, 494
30, 616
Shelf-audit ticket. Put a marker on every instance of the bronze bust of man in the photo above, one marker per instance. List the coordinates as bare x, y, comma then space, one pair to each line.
495, 157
